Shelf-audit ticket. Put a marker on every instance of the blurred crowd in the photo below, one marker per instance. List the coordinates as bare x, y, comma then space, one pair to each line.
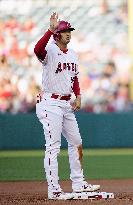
104, 67
19, 79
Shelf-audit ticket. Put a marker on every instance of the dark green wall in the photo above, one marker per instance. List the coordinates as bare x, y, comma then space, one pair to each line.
106, 130
23, 131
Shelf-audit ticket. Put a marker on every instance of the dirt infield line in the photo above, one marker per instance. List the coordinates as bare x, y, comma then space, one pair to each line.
35, 193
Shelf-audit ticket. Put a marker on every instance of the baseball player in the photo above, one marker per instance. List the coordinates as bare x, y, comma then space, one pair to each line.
54, 110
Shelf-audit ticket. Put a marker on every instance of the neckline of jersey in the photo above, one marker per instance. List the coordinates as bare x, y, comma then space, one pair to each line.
63, 50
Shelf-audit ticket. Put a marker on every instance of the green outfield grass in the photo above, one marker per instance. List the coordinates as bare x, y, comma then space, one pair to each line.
98, 164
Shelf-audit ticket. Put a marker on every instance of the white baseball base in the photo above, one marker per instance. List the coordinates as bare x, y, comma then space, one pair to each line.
93, 195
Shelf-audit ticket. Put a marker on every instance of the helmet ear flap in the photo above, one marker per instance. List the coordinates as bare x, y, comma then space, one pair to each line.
57, 36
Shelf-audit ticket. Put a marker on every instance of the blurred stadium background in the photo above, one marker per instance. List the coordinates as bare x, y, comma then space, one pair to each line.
103, 40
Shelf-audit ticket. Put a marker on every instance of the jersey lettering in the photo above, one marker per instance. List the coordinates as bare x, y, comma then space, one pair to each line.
58, 68
72, 79
64, 66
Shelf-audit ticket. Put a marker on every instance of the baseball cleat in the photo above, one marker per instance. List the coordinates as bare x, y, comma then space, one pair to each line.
86, 188
90, 188
60, 196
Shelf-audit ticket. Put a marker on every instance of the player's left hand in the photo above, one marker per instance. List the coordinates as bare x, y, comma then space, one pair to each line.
77, 103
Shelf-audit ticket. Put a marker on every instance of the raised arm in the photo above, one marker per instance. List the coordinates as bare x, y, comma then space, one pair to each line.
39, 49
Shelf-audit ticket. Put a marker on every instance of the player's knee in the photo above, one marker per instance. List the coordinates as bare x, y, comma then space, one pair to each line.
53, 146
77, 141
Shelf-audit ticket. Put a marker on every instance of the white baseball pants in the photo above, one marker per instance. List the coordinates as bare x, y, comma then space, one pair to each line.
57, 117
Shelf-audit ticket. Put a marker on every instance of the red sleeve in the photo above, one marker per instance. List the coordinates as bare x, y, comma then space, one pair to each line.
76, 88
39, 49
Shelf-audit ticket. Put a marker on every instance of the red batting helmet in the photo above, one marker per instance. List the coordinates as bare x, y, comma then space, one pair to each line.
62, 26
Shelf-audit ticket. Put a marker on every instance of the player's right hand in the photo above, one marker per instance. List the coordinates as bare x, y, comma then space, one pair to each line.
53, 21
77, 103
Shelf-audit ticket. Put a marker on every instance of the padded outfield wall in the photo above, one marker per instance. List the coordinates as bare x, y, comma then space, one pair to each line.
108, 130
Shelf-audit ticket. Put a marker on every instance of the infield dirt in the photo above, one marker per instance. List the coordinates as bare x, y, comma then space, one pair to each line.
35, 193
